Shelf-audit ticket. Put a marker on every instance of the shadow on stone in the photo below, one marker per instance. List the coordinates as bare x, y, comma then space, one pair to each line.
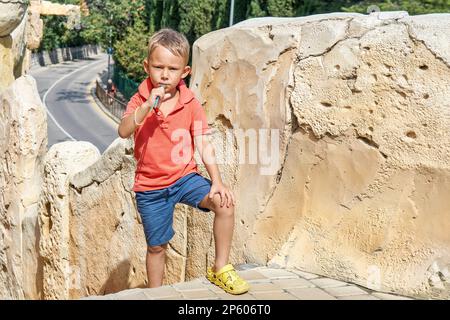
119, 279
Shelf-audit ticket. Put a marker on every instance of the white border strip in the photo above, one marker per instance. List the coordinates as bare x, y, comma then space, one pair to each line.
53, 85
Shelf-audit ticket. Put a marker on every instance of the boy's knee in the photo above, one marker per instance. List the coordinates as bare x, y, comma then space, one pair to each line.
222, 211
216, 200
156, 249
225, 212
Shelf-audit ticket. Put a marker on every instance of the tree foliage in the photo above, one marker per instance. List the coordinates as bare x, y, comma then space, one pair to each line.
126, 25
413, 7
131, 50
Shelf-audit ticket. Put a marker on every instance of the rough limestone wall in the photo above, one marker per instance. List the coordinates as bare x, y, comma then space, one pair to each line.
10, 16
13, 24
362, 108
23, 142
61, 163
259, 72
21, 30
49, 8
92, 236
106, 239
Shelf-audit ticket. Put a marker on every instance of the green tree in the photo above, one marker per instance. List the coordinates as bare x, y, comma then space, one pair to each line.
195, 18
53, 29
127, 24
221, 15
93, 28
280, 8
256, 9
413, 7
131, 50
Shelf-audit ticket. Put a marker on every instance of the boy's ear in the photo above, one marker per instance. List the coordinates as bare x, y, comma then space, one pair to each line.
146, 67
186, 72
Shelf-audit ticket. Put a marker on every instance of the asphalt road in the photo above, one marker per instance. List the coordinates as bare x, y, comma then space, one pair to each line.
72, 114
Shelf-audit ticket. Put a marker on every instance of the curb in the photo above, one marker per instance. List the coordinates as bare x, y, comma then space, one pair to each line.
100, 104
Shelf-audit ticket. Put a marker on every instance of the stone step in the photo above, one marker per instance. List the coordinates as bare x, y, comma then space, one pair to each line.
265, 284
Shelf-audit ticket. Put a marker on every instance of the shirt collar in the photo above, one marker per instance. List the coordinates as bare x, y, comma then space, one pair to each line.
186, 94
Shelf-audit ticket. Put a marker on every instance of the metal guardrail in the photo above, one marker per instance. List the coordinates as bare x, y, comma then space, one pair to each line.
125, 85
114, 106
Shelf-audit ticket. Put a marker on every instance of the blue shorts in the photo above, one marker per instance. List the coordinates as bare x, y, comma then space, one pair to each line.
156, 206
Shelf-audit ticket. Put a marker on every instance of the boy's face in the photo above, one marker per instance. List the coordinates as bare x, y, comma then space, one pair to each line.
165, 68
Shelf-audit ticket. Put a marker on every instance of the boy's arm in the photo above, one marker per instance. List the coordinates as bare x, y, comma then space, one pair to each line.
208, 156
129, 124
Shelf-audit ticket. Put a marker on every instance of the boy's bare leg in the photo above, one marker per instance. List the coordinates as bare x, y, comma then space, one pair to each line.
222, 228
156, 258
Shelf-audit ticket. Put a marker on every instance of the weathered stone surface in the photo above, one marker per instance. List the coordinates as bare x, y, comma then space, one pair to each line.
35, 29
11, 14
49, 8
432, 30
200, 243
176, 255
107, 243
12, 53
19, 48
256, 77
352, 181
361, 106
175, 270
6, 63
62, 162
107, 246
21, 30
23, 142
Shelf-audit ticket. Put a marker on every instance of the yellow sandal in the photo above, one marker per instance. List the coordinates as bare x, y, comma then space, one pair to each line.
228, 279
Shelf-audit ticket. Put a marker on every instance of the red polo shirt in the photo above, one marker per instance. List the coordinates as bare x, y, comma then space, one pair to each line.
164, 146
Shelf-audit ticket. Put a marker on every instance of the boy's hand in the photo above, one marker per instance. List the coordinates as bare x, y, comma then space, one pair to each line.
156, 92
226, 196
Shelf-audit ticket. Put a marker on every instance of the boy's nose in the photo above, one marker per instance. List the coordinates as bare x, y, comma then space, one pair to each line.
165, 73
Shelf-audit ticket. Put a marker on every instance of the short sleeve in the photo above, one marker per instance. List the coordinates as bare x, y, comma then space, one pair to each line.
132, 105
199, 123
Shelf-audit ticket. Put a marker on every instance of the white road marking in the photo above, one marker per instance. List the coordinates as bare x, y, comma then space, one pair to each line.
49, 89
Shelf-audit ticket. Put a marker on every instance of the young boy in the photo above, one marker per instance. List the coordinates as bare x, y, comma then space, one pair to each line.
166, 172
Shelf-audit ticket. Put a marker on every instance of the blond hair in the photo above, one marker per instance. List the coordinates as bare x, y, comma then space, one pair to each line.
172, 40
